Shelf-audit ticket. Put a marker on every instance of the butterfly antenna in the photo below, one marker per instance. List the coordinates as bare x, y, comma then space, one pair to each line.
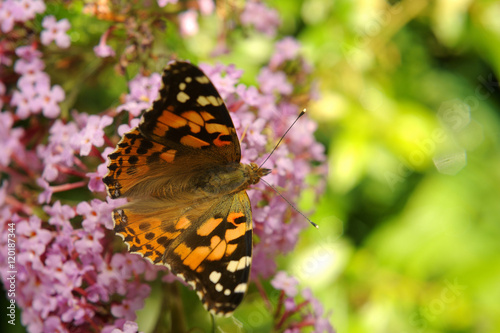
282, 137
291, 205
274, 188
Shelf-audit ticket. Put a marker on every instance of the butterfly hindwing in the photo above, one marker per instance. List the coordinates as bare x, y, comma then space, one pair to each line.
219, 266
209, 246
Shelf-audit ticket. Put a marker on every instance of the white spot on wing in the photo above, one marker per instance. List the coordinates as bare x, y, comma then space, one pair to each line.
182, 97
202, 100
213, 100
215, 276
202, 79
241, 288
219, 287
235, 265
232, 266
244, 262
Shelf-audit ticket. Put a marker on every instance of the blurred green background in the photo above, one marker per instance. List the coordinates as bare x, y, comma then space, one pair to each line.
409, 111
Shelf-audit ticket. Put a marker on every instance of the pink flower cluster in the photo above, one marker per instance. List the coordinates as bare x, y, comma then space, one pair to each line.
65, 274
34, 94
143, 91
65, 140
14, 11
295, 311
188, 20
261, 17
55, 32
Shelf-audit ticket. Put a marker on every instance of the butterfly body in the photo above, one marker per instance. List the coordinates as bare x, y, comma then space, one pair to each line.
187, 205
230, 178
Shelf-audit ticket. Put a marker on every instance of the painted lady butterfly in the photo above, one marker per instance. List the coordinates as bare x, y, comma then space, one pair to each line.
188, 208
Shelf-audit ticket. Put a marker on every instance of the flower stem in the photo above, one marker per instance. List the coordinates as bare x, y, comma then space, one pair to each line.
263, 294
67, 187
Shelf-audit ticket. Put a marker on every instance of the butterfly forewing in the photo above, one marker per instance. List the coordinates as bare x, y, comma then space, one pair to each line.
191, 112
202, 233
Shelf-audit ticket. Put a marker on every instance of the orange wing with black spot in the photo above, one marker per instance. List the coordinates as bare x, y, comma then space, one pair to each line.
186, 130
135, 158
190, 112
